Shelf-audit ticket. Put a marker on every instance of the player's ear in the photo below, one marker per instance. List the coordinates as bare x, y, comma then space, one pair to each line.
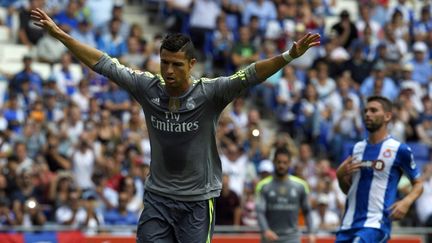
388, 116
192, 62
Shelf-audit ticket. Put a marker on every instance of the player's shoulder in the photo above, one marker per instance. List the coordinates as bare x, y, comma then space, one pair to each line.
300, 183
262, 183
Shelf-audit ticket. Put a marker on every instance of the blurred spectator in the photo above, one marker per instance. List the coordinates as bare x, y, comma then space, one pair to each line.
265, 10
345, 29
117, 101
379, 83
72, 124
56, 161
406, 11
365, 21
399, 26
33, 138
82, 97
324, 84
66, 19
323, 219
117, 14
228, 205
203, 21
94, 218
25, 163
248, 213
289, 92
358, 65
53, 109
235, 165
14, 114
101, 11
396, 48
83, 162
112, 42
422, 69
135, 196
121, 215
67, 80
73, 212
238, 114
281, 29
28, 33
84, 33
60, 188
49, 49
233, 10
107, 198
424, 125
423, 25
265, 169
27, 73
134, 57
32, 214
222, 44
423, 205
178, 12
7, 217
244, 53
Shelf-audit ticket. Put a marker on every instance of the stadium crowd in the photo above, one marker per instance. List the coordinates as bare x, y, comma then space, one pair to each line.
74, 148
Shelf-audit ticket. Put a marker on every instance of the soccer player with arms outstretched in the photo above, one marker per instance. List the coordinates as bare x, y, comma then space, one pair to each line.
370, 177
181, 115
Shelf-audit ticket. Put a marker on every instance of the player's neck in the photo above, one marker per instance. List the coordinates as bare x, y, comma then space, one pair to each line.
179, 91
378, 136
281, 178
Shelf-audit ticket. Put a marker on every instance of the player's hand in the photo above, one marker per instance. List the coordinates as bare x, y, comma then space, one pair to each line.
270, 235
301, 46
399, 209
348, 167
44, 21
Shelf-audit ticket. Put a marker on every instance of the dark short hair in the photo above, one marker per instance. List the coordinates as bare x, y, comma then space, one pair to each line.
178, 43
385, 102
283, 151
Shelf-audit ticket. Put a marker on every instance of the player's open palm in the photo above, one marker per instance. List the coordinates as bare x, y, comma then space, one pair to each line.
301, 46
44, 21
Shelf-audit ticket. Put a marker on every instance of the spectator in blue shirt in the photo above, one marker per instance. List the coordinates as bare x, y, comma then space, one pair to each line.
116, 100
120, 215
379, 83
67, 19
26, 74
113, 43
422, 71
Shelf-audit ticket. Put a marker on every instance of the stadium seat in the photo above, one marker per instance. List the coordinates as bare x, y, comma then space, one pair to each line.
4, 34
43, 69
13, 52
75, 69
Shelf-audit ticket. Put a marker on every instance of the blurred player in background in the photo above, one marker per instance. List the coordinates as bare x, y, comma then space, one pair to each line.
370, 177
279, 200
181, 115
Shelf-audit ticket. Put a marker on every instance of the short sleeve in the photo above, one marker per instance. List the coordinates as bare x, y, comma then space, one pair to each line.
407, 163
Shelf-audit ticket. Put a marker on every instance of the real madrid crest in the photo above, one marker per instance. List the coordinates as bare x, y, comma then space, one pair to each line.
190, 103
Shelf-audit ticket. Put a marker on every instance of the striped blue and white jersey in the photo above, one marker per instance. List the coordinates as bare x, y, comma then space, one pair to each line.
374, 186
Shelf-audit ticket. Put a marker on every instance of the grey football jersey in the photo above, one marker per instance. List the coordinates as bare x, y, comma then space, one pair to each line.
278, 204
185, 163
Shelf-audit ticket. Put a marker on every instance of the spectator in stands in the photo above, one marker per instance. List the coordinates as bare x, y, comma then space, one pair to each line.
423, 25
49, 49
228, 204
60, 187
265, 10
323, 219
121, 215
117, 14
82, 97
134, 57
265, 169
244, 53
379, 77
238, 114
423, 204
112, 42
203, 18
25, 163
422, 69
424, 125
222, 44
366, 21
117, 101
28, 33
7, 217
53, 109
83, 162
135, 197
32, 214
67, 80
84, 33
26, 187
27, 73
235, 164
67, 18
33, 138
281, 29
345, 29
56, 161
100, 11
72, 213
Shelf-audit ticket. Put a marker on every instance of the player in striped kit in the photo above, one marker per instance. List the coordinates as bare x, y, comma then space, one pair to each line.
370, 177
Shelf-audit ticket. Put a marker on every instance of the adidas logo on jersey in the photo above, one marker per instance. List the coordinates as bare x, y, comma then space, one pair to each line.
155, 101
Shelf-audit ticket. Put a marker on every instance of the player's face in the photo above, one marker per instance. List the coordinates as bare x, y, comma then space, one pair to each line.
282, 163
175, 70
375, 117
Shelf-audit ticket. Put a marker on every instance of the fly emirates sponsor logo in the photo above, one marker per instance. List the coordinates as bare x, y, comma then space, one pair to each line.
172, 124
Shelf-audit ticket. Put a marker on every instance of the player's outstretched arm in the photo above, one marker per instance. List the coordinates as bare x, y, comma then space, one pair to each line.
86, 54
267, 67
